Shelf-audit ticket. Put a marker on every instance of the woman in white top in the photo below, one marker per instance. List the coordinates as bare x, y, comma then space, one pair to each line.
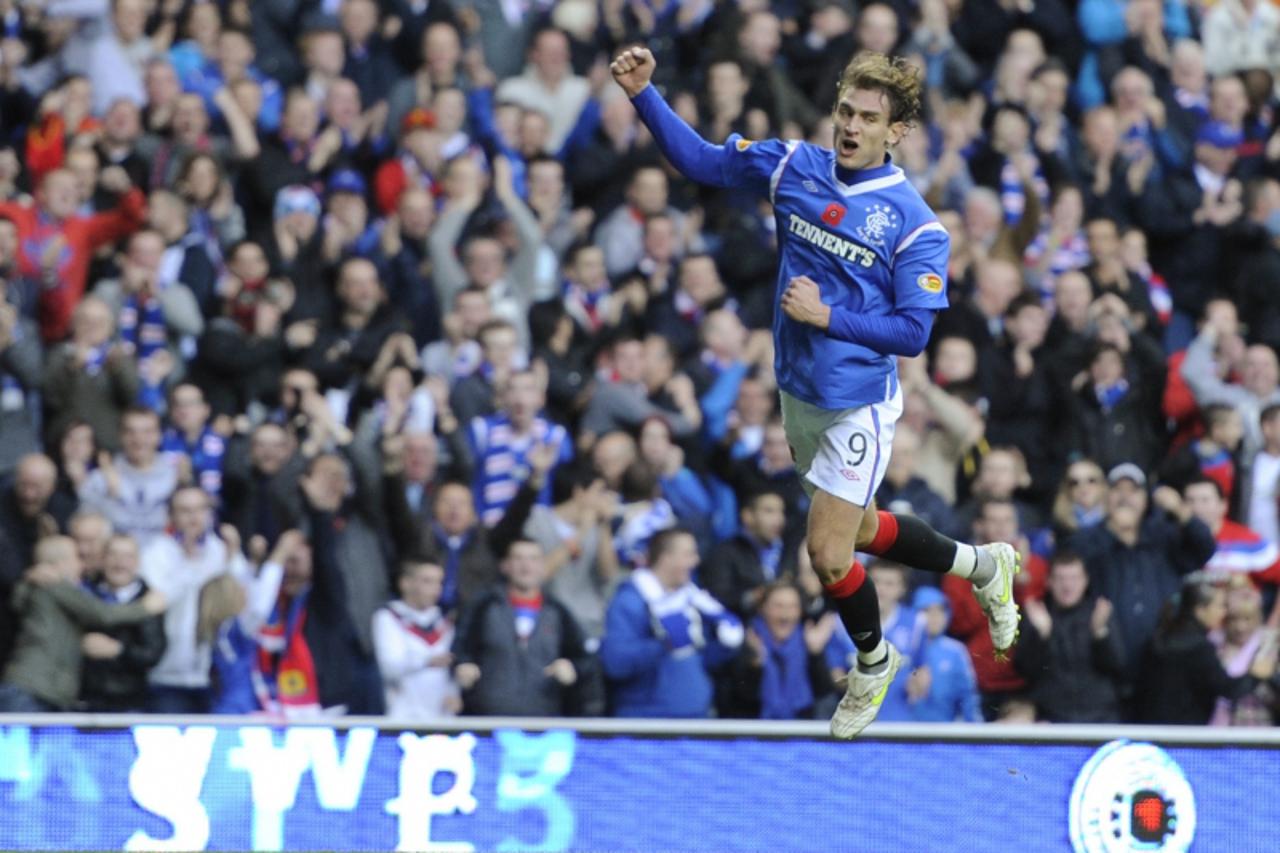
412, 640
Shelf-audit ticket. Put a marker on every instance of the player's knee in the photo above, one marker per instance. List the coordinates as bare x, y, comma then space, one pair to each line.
831, 557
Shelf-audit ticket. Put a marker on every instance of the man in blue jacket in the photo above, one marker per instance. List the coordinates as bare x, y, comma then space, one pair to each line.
662, 633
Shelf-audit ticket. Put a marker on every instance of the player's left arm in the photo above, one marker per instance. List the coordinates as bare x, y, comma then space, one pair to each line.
919, 292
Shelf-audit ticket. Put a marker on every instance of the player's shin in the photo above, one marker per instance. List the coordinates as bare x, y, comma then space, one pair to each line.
853, 597
908, 540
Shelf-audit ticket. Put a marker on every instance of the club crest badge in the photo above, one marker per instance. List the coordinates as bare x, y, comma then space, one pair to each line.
880, 219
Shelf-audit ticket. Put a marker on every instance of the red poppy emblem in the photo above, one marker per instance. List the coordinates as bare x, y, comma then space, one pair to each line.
833, 214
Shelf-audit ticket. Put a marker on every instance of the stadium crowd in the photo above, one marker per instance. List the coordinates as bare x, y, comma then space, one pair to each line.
365, 357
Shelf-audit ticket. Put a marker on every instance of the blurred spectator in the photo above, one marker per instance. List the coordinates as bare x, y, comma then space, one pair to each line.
178, 565
998, 680
1002, 474
44, 671
678, 484
21, 367
528, 670
576, 534
942, 688
1182, 678
481, 259
259, 476
643, 513
476, 395
1071, 656
1255, 248
91, 531
1111, 411
153, 315
1020, 391
643, 384
234, 614
1261, 486
369, 61
501, 445
621, 233
1239, 549
739, 570
1240, 35
412, 639
1258, 385
458, 541
132, 488
780, 673
549, 85
1081, 500
1136, 559
30, 509
903, 491
192, 436
1213, 455
663, 633
949, 427
117, 661
1238, 643
321, 628
88, 378
56, 242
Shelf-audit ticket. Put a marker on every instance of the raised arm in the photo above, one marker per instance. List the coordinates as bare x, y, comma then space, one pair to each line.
738, 163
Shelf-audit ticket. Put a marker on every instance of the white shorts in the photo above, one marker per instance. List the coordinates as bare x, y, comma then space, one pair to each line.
844, 452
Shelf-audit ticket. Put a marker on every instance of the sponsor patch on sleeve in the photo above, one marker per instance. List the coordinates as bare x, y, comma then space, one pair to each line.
742, 144
930, 282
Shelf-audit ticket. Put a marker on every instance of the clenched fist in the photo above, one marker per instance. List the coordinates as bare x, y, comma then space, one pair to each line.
632, 69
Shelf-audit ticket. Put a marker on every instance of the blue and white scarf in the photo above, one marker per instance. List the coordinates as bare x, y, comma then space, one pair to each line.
784, 684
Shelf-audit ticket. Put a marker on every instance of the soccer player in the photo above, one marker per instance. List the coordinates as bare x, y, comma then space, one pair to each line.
861, 275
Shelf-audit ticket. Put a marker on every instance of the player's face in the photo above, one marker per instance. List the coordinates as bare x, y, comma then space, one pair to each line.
862, 129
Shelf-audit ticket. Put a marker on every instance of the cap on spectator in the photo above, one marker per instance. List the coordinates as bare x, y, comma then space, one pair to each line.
928, 596
296, 198
418, 118
346, 181
1127, 471
1219, 135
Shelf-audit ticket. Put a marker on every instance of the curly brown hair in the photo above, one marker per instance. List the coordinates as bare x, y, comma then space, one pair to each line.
898, 79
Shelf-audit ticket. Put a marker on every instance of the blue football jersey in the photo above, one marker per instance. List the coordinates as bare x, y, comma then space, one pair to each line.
872, 246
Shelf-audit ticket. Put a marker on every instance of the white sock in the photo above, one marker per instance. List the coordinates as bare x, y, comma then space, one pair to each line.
966, 560
973, 563
872, 660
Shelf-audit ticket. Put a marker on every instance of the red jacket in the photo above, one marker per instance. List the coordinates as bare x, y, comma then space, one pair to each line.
969, 625
82, 236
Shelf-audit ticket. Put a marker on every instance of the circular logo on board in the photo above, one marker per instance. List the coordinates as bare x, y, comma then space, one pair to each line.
1131, 797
